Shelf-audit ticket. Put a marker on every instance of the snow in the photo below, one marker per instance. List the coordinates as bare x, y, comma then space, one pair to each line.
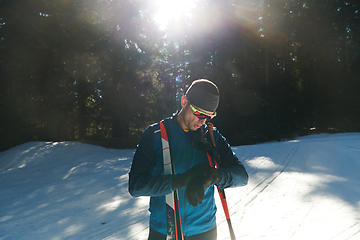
307, 188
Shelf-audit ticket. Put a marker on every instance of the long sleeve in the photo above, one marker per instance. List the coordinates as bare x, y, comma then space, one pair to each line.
141, 180
233, 171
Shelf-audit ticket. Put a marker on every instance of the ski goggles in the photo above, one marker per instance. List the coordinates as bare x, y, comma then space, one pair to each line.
201, 115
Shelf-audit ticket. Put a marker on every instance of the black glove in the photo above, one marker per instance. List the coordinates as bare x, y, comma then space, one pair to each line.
181, 180
196, 186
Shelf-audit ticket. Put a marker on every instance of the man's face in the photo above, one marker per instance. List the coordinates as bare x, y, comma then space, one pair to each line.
190, 120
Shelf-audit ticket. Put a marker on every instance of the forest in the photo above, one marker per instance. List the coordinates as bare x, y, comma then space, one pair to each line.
101, 71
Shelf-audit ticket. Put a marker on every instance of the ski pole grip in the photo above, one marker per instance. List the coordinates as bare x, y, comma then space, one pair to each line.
211, 132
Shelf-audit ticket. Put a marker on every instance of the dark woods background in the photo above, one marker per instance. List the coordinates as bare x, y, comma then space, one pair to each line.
100, 71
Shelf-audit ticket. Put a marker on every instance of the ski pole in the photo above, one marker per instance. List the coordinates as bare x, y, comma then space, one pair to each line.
224, 204
221, 191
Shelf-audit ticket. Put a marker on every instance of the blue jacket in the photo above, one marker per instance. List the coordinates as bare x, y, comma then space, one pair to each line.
146, 176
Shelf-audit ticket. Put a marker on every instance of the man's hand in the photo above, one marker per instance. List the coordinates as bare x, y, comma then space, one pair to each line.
181, 180
196, 186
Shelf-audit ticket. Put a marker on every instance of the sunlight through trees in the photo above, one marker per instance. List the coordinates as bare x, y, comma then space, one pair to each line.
100, 71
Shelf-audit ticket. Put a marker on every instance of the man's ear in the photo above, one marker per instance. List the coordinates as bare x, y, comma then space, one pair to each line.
184, 101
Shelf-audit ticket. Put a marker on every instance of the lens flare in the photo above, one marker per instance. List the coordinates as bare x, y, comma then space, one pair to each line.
176, 46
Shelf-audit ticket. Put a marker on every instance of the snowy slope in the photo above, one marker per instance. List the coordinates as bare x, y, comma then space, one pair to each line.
308, 188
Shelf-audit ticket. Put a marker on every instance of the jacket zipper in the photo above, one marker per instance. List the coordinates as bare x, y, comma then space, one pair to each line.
186, 167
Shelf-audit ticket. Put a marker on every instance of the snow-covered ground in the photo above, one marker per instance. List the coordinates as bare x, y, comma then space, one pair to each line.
308, 188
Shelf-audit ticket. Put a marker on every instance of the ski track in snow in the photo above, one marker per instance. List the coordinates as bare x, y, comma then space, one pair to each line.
307, 188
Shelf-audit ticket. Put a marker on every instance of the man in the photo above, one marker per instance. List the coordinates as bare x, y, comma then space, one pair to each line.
194, 178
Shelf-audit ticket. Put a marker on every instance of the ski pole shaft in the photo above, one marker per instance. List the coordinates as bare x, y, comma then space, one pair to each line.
221, 191
223, 202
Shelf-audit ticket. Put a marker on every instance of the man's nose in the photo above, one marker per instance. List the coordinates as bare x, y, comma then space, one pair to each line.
203, 121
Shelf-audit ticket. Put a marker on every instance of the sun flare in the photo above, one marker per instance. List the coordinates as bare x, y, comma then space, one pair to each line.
172, 10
